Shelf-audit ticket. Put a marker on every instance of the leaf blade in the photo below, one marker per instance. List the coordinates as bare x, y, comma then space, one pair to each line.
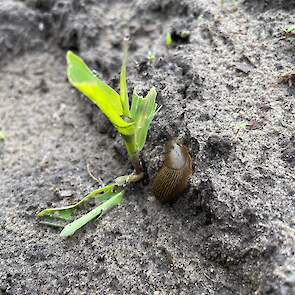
143, 110
2, 135
71, 228
65, 213
123, 83
106, 98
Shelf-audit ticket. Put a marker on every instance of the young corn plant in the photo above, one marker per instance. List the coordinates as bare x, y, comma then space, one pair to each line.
132, 123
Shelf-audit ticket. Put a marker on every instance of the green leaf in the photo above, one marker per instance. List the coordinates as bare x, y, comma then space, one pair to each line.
135, 105
123, 84
289, 29
106, 98
102, 197
151, 56
168, 39
67, 212
62, 213
71, 228
143, 111
2, 135
242, 125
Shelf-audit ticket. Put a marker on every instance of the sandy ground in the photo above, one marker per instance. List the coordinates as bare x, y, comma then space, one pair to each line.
233, 231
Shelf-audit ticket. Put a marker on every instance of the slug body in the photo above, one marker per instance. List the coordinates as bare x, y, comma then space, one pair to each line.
173, 177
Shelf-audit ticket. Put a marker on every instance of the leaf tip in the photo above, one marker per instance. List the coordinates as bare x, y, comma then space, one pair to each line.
40, 214
70, 54
153, 90
65, 233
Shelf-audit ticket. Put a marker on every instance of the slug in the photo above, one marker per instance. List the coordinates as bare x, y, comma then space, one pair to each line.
173, 177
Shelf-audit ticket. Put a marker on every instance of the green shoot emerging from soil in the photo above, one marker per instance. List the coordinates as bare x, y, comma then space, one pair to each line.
132, 123
151, 56
168, 39
289, 30
2, 135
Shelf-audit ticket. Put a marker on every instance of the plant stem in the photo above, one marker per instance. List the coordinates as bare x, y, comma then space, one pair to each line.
136, 163
135, 177
124, 180
130, 144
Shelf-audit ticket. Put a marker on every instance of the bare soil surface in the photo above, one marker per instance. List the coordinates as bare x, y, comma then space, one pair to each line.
233, 231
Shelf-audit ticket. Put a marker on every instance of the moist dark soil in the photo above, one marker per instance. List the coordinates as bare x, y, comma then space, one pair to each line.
232, 231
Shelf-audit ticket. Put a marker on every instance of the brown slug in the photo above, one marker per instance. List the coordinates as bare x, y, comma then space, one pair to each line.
173, 177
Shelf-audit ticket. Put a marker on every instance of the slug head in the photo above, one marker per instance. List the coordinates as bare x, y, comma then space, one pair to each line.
176, 155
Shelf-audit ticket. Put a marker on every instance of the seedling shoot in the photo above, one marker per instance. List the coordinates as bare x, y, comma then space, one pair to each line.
132, 123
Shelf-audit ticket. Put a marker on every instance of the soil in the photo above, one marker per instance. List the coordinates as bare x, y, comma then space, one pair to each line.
232, 232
